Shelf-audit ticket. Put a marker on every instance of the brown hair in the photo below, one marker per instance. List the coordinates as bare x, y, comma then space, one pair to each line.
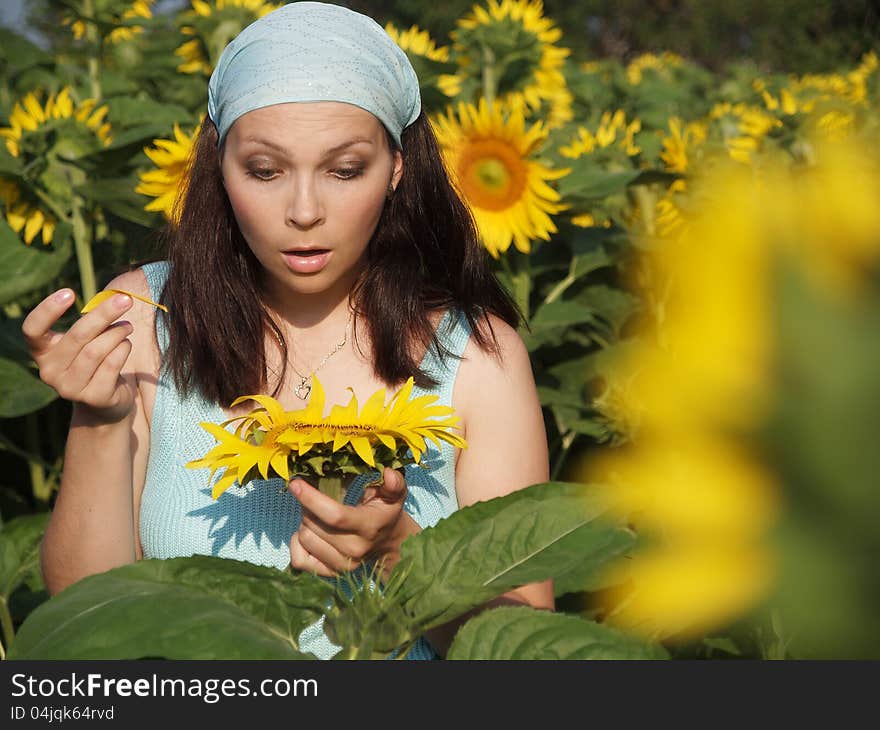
424, 254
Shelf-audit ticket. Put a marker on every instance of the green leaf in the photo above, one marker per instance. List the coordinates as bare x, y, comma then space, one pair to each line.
527, 633
12, 344
24, 268
118, 197
21, 392
19, 52
126, 111
20, 553
9, 165
200, 607
561, 314
552, 530
588, 182
142, 135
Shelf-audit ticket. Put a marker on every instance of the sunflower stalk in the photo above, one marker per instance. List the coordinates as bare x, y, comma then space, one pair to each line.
490, 83
517, 266
561, 287
40, 486
82, 241
93, 36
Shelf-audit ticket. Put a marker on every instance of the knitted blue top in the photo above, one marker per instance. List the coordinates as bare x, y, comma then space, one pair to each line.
178, 517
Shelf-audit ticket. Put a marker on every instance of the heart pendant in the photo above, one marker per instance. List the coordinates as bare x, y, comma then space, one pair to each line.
302, 390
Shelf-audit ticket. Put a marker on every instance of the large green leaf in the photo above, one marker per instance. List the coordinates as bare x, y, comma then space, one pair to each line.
561, 314
199, 607
21, 392
553, 530
127, 111
19, 52
12, 343
589, 182
24, 268
526, 633
20, 553
118, 197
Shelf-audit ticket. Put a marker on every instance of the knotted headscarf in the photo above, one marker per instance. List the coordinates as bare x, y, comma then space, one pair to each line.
311, 51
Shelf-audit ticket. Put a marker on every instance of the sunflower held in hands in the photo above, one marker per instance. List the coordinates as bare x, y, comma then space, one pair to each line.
328, 452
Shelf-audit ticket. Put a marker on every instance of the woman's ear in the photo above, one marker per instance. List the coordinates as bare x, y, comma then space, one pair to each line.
397, 168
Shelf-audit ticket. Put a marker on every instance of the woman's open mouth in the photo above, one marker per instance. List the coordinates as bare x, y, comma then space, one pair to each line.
307, 261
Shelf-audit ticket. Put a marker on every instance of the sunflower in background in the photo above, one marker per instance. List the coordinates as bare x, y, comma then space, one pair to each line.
493, 161
507, 50
109, 14
211, 26
47, 139
166, 181
748, 400
431, 63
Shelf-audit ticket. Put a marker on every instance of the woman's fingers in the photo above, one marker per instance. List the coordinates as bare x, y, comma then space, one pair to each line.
104, 386
302, 559
37, 326
87, 328
102, 356
325, 553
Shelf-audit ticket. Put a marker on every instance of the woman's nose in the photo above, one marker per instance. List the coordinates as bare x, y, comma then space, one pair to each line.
304, 207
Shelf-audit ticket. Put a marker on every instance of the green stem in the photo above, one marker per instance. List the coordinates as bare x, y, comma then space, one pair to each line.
82, 241
7, 445
565, 445
94, 39
39, 483
560, 288
490, 83
522, 282
6, 623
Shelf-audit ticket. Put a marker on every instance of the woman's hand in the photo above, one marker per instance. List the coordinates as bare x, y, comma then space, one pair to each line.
334, 538
84, 364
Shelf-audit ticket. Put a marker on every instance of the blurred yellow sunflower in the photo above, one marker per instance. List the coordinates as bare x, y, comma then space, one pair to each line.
612, 129
492, 160
270, 441
513, 43
137, 9
35, 134
167, 181
661, 64
417, 41
213, 24
680, 142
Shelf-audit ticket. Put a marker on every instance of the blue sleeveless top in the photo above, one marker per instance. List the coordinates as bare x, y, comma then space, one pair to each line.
179, 518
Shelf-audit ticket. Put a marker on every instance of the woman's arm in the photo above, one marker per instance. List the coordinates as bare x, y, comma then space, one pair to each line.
507, 445
93, 523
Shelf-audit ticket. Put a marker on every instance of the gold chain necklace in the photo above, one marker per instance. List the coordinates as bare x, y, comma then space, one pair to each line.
304, 389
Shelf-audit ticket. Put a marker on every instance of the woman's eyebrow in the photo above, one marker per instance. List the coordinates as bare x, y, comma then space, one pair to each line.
327, 153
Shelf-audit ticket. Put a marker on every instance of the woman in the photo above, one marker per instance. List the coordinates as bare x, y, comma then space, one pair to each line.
318, 234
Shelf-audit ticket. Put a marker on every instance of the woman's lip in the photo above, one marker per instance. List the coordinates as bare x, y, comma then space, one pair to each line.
306, 262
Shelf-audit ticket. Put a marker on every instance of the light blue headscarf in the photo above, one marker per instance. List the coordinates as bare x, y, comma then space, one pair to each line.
309, 51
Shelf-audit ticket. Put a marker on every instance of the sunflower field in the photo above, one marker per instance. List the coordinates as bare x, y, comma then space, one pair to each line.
696, 253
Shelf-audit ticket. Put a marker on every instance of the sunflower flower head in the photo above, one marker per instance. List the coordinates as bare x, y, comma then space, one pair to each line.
112, 13
493, 160
167, 180
512, 43
47, 139
351, 440
210, 25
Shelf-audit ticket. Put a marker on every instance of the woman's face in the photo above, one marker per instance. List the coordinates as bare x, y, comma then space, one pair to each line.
307, 183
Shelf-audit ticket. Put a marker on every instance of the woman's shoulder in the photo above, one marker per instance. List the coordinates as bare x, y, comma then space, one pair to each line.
144, 355
492, 372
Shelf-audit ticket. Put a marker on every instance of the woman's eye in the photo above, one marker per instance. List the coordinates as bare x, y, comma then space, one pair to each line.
262, 174
347, 173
